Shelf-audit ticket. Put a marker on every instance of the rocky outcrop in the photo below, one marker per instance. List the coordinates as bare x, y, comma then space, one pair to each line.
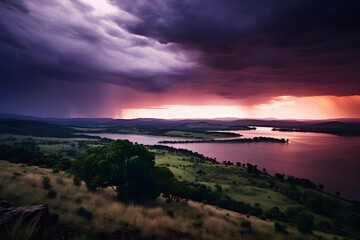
36, 215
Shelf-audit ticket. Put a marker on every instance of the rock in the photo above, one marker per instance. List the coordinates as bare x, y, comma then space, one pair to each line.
36, 215
4, 203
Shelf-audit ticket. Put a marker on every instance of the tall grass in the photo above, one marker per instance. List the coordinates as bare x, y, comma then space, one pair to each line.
23, 231
153, 220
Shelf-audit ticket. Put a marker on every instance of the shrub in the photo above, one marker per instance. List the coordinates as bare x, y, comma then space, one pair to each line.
305, 222
51, 193
218, 188
246, 224
59, 180
292, 213
275, 213
280, 227
325, 226
46, 182
56, 170
84, 213
77, 181
198, 224
170, 213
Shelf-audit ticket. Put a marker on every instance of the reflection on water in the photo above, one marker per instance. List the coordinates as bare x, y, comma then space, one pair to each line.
326, 159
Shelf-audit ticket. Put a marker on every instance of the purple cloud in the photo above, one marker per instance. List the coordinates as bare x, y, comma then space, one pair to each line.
73, 41
245, 50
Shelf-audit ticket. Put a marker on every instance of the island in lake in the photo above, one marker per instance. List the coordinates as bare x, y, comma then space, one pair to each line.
235, 140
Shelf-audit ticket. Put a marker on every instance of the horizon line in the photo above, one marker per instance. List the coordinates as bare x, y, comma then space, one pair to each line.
174, 119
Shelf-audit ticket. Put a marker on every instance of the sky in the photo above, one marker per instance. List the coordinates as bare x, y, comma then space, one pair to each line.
180, 59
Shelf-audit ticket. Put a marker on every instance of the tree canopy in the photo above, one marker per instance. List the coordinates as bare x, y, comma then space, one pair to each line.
129, 169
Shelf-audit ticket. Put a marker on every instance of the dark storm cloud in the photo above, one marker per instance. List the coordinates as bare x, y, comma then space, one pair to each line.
295, 42
73, 41
225, 26
235, 49
14, 5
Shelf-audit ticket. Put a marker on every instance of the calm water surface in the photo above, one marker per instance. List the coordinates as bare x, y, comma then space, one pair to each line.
326, 159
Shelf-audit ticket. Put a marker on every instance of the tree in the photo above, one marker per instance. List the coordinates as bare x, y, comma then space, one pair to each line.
280, 228
218, 188
274, 213
305, 222
166, 183
280, 176
127, 168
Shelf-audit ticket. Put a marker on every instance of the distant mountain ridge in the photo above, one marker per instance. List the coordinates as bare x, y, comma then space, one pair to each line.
334, 126
34, 128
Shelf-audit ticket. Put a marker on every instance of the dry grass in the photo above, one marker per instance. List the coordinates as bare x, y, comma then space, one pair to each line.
23, 231
22, 185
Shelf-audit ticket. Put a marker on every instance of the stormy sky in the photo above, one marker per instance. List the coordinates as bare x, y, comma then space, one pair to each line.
156, 58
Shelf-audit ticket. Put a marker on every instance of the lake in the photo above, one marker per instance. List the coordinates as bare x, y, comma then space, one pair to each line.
331, 160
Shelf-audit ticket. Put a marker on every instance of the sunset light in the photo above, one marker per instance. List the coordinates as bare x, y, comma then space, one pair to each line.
283, 107
181, 111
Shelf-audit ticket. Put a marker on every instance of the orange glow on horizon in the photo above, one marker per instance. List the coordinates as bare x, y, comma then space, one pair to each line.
281, 107
184, 111
315, 107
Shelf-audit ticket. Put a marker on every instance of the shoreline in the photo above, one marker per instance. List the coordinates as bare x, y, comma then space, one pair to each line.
236, 140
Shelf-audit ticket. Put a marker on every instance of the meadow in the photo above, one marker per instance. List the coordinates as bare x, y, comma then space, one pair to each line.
235, 182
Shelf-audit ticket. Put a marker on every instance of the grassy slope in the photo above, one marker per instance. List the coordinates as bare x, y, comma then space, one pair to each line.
190, 219
50, 145
235, 182
36, 128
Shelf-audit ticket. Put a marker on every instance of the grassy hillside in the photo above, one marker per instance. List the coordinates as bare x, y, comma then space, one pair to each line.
102, 216
34, 128
348, 127
63, 146
334, 127
240, 185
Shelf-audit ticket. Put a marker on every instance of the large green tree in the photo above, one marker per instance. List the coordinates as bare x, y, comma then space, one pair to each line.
129, 169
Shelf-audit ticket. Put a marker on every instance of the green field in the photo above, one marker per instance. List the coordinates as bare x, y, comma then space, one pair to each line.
155, 220
51, 145
235, 182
